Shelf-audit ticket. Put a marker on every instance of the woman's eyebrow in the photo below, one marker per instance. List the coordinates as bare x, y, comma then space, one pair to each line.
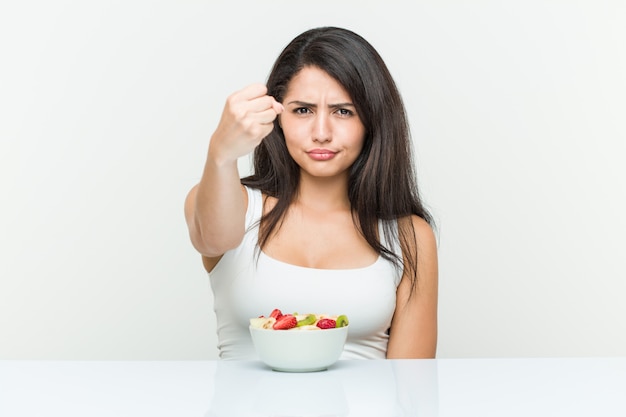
333, 106
341, 105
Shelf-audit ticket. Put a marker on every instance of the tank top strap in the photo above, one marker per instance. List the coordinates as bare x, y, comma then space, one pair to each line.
255, 207
392, 243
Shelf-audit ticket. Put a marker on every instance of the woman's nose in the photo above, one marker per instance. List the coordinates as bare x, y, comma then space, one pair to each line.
321, 128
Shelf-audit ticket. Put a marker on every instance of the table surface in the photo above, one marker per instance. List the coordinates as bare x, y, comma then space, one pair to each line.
382, 388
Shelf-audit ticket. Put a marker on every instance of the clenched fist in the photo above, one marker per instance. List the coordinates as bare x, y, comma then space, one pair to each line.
247, 118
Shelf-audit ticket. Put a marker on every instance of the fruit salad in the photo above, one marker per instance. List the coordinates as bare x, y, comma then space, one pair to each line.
279, 321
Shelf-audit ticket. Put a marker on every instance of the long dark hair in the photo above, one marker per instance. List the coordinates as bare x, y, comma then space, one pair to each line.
382, 184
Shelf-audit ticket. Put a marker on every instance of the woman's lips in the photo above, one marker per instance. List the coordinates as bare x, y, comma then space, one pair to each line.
321, 154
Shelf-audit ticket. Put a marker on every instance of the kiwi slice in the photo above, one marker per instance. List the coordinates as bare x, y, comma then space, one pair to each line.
309, 319
342, 321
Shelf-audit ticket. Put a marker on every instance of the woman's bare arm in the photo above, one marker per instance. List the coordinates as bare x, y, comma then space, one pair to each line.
413, 331
215, 208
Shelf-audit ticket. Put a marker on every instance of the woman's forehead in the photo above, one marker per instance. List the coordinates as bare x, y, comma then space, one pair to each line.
313, 83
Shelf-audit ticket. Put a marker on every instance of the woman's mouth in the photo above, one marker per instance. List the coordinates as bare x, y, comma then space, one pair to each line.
321, 154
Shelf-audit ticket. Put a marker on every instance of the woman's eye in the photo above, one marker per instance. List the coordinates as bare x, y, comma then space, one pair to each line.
344, 112
301, 110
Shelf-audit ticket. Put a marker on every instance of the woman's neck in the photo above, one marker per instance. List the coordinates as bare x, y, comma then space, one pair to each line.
324, 194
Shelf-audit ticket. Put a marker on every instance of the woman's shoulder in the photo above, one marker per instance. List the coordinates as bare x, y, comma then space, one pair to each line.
423, 230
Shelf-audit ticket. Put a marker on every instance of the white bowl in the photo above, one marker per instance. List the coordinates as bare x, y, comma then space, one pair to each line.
299, 350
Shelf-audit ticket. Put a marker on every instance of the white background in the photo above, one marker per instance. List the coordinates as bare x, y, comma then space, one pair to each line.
518, 113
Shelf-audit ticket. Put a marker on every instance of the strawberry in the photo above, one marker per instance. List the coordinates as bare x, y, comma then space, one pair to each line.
276, 313
326, 323
285, 322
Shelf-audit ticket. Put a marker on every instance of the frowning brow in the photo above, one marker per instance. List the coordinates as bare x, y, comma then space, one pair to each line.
332, 106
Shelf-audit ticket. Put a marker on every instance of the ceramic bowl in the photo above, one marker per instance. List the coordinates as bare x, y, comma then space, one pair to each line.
299, 350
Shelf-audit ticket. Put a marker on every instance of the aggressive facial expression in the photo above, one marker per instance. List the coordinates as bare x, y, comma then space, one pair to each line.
323, 132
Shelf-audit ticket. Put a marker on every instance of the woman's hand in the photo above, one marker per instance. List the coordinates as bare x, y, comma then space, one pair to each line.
247, 118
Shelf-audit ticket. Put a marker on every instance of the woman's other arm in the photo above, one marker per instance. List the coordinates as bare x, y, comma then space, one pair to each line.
413, 331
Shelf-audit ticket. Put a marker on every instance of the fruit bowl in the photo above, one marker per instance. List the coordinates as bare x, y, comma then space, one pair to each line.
299, 350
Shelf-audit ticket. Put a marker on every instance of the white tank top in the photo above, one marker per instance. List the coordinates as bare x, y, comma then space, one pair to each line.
245, 285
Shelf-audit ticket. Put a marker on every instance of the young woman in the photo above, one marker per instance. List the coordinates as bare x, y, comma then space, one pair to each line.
331, 220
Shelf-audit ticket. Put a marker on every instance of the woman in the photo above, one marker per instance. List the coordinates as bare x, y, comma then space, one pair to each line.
331, 220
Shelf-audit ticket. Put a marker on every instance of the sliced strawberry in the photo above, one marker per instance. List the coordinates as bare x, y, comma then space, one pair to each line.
326, 323
276, 313
285, 322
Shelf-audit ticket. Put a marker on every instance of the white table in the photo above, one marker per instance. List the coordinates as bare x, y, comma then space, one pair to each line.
442, 387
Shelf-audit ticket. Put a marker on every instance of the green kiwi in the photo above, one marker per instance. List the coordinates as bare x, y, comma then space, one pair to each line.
309, 319
342, 321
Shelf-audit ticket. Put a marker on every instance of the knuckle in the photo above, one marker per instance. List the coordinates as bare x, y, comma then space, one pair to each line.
231, 100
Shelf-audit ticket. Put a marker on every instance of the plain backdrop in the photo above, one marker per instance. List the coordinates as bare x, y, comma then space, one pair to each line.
517, 111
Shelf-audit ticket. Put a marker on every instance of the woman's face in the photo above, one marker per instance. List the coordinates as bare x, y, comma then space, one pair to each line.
323, 132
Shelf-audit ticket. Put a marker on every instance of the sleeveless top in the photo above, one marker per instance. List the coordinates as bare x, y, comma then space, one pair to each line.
247, 283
